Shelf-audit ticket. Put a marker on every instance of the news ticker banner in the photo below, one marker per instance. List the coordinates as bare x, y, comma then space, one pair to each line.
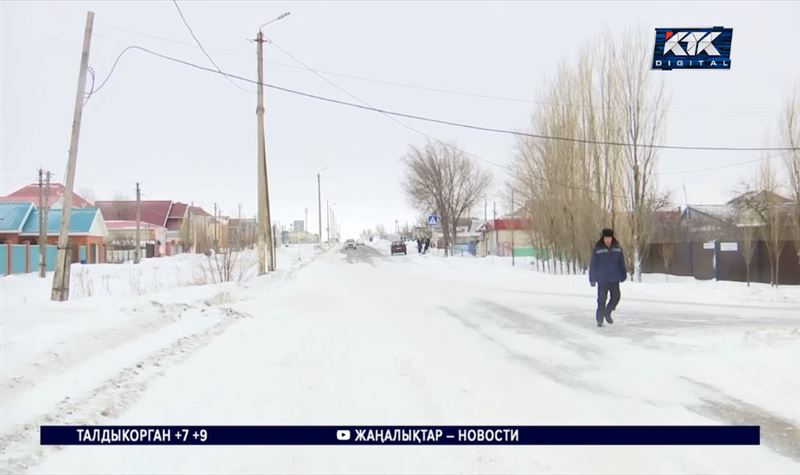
400, 435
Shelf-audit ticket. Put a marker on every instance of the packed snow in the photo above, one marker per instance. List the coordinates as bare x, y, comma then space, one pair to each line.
361, 337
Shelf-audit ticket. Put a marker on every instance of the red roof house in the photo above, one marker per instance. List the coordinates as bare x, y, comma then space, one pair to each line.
54, 195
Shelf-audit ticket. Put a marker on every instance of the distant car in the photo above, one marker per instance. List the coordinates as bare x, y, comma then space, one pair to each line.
350, 244
360, 242
399, 247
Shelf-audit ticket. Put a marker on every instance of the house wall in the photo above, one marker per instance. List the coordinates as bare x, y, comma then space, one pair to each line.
498, 243
12, 238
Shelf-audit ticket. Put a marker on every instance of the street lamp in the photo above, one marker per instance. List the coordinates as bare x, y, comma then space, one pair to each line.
280, 17
266, 240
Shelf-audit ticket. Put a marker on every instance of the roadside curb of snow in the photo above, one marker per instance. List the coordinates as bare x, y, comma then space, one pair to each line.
104, 402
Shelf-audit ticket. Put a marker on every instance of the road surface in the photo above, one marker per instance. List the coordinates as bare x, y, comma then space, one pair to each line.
360, 337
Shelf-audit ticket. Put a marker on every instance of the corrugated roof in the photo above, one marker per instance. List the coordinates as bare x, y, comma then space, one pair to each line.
80, 221
30, 194
12, 215
152, 211
722, 212
178, 210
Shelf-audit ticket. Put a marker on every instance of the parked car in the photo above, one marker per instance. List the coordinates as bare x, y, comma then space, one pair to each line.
360, 242
399, 247
350, 244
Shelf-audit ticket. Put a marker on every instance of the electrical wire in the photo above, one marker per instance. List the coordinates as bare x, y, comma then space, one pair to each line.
197, 40
394, 119
88, 95
443, 121
504, 167
432, 89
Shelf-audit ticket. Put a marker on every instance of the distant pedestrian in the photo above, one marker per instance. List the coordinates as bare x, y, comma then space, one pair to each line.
427, 245
606, 270
419, 245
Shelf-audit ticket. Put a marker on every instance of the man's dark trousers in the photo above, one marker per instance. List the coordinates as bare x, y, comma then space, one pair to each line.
604, 305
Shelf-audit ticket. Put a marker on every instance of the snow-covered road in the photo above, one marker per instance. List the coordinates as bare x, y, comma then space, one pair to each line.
366, 338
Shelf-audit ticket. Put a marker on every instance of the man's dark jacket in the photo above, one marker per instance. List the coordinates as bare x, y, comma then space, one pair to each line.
608, 263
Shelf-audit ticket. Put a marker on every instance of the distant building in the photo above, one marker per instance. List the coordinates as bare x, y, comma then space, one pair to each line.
299, 226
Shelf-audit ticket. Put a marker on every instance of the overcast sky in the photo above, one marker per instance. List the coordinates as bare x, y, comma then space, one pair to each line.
188, 135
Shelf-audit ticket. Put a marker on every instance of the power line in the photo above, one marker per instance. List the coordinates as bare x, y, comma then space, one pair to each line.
197, 40
403, 124
448, 122
433, 89
389, 115
506, 168
731, 165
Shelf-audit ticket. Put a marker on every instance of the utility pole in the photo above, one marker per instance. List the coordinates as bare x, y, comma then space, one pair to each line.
42, 230
192, 229
328, 219
319, 207
60, 290
216, 229
239, 229
266, 258
274, 241
137, 251
333, 223
512, 226
494, 224
47, 174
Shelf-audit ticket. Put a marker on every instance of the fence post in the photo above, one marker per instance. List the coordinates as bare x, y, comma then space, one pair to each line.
27, 256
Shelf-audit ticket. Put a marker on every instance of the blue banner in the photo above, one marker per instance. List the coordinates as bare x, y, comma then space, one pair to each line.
693, 48
400, 435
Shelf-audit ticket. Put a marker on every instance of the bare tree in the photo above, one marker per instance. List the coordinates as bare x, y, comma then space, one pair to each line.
230, 266
440, 177
668, 234
120, 206
572, 190
790, 137
747, 235
767, 207
88, 194
643, 123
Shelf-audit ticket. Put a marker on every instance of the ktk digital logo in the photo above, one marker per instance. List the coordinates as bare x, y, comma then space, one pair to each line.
693, 48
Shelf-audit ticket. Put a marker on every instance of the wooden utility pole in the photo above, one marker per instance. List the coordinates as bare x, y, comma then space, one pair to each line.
494, 224
192, 229
137, 250
328, 219
319, 208
42, 229
239, 230
60, 290
266, 258
46, 211
511, 221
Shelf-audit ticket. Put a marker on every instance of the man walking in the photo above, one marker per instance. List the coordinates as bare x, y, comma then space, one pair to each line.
606, 270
